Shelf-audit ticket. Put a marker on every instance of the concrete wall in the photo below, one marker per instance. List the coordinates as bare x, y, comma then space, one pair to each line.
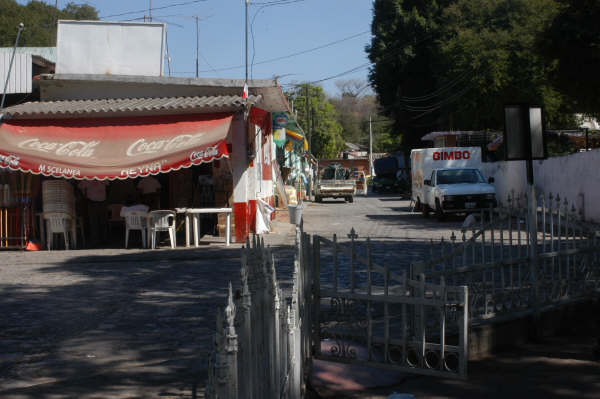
574, 177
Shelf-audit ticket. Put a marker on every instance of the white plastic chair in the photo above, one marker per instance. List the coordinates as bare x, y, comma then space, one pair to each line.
59, 223
162, 221
135, 220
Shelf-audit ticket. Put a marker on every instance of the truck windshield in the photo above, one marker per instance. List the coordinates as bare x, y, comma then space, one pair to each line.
457, 176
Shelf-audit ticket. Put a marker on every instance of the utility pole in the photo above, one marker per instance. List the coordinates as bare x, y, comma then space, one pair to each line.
150, 15
309, 133
247, 41
312, 129
370, 147
12, 58
197, 44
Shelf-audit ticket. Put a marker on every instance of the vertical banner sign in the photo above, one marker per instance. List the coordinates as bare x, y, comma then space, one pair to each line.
280, 120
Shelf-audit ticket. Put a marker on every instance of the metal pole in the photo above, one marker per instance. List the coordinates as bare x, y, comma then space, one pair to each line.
12, 58
150, 16
370, 147
587, 139
197, 44
307, 92
247, 41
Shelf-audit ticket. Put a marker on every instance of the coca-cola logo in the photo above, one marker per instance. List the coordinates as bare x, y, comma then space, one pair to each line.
142, 147
199, 155
10, 160
71, 149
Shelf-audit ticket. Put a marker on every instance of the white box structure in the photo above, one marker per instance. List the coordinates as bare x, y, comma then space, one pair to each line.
110, 48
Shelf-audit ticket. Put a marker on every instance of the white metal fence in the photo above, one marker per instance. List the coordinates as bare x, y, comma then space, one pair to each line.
259, 348
366, 314
517, 262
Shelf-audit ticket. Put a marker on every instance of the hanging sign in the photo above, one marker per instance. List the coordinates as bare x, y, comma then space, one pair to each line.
280, 120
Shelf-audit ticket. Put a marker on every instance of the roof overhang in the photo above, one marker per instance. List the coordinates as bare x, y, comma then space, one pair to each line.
90, 87
120, 107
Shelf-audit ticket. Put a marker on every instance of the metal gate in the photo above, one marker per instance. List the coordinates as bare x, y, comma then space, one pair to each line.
365, 314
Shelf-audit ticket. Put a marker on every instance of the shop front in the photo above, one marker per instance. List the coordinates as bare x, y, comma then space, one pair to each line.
162, 154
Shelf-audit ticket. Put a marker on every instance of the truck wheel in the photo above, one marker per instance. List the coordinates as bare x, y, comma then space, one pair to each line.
318, 198
350, 199
439, 213
425, 210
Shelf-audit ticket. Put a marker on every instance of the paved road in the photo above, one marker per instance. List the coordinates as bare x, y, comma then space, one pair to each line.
130, 323
138, 324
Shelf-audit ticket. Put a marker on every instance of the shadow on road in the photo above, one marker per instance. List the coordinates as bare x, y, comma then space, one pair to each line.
111, 325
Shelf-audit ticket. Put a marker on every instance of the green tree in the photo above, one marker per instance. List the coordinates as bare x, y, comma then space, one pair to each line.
453, 64
326, 132
572, 44
40, 21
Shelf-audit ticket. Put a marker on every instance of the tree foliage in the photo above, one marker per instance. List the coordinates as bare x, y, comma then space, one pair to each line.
453, 64
572, 43
354, 108
325, 132
40, 21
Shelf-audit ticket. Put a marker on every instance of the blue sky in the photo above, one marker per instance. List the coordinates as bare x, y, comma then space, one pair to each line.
279, 30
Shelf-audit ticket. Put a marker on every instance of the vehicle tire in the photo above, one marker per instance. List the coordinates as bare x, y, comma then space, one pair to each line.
318, 198
439, 213
350, 199
425, 209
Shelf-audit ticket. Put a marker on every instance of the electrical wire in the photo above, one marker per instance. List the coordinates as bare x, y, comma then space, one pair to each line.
448, 100
154, 8
438, 91
262, 6
302, 52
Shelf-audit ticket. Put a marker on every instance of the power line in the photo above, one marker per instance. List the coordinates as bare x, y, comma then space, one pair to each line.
438, 91
154, 8
274, 3
302, 52
262, 6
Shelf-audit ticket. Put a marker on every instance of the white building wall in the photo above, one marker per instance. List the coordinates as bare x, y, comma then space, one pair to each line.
574, 177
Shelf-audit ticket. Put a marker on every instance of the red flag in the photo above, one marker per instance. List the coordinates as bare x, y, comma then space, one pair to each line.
245, 93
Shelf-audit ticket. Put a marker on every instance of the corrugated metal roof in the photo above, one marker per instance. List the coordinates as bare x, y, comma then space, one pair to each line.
20, 74
47, 53
84, 87
120, 106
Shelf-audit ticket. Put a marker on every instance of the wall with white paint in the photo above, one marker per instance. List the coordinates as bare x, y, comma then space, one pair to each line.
575, 177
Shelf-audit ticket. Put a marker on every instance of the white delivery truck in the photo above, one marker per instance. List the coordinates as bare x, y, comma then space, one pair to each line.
448, 180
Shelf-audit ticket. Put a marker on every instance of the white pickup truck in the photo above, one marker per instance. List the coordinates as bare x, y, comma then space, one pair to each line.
335, 182
448, 180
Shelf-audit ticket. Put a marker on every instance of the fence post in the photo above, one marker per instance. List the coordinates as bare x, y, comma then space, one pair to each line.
231, 347
274, 330
247, 378
294, 354
463, 329
316, 295
533, 249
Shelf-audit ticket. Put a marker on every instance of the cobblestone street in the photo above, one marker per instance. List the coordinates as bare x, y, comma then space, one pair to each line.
133, 323
118, 323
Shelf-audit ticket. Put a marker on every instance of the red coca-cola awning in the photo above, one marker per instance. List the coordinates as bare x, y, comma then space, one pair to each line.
113, 148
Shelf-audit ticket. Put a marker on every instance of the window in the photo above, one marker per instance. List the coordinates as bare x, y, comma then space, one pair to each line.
458, 176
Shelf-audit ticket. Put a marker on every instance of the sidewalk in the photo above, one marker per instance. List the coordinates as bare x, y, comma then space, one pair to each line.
560, 367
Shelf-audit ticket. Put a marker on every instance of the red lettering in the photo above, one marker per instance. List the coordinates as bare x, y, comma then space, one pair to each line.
466, 155
436, 156
458, 155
